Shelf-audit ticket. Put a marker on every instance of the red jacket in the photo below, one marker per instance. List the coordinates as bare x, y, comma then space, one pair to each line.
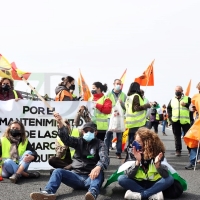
106, 108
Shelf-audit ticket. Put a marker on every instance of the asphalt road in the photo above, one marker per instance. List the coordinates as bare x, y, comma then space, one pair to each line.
21, 191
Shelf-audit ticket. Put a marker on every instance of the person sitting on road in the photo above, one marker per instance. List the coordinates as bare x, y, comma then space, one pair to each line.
89, 162
148, 177
17, 153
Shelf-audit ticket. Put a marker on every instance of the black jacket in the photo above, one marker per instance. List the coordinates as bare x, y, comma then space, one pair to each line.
87, 155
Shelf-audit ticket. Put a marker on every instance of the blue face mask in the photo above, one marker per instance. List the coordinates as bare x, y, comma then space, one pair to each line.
117, 87
88, 136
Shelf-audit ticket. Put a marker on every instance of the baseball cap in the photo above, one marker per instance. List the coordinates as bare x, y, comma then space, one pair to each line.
90, 125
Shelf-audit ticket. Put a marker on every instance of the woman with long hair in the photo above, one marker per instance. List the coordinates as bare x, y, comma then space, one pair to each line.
17, 153
148, 177
7, 90
135, 110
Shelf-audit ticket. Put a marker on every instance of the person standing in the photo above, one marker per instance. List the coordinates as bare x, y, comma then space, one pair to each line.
135, 111
115, 95
179, 116
102, 108
164, 121
63, 89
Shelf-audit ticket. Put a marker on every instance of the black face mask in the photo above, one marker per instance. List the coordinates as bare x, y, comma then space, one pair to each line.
178, 94
15, 132
72, 87
5, 87
93, 91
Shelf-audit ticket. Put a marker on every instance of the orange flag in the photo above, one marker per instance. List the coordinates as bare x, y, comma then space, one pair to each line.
123, 78
147, 78
84, 88
16, 73
192, 137
187, 92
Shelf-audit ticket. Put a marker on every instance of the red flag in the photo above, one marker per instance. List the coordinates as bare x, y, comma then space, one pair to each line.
187, 92
147, 78
16, 73
123, 78
84, 88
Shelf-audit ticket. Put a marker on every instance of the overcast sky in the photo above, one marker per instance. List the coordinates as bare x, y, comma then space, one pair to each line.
103, 38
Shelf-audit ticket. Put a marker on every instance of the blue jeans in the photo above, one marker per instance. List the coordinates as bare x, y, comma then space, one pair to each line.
164, 122
10, 167
108, 139
73, 180
193, 153
145, 188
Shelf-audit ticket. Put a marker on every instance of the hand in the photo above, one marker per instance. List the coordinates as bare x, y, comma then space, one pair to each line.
17, 99
158, 159
120, 101
137, 154
183, 104
58, 118
95, 172
28, 158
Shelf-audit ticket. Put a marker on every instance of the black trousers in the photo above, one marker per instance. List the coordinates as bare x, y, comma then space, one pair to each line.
101, 134
177, 128
154, 124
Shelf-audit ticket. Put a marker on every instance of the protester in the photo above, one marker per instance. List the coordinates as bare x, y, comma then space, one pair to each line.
63, 89
178, 113
7, 91
116, 95
154, 117
165, 117
62, 159
135, 111
17, 153
102, 108
148, 178
89, 162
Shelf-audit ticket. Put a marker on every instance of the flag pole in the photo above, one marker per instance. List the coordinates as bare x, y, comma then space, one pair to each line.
41, 98
196, 156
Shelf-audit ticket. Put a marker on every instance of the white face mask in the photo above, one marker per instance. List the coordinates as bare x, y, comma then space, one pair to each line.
117, 87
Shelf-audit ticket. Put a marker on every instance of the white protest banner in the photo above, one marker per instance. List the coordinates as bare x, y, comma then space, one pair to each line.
40, 125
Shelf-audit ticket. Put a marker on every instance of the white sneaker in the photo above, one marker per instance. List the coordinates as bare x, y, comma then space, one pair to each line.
132, 195
158, 196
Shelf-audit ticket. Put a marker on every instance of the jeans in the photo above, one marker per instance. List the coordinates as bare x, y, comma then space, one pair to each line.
164, 122
108, 139
10, 167
145, 188
193, 153
73, 180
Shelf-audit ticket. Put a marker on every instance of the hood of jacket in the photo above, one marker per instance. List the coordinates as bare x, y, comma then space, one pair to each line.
59, 88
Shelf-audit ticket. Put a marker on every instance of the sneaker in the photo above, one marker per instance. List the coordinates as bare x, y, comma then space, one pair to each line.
164, 134
132, 195
35, 174
47, 195
178, 153
158, 196
190, 166
15, 178
90, 195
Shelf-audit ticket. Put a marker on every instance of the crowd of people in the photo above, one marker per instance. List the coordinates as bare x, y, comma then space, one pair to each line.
147, 179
